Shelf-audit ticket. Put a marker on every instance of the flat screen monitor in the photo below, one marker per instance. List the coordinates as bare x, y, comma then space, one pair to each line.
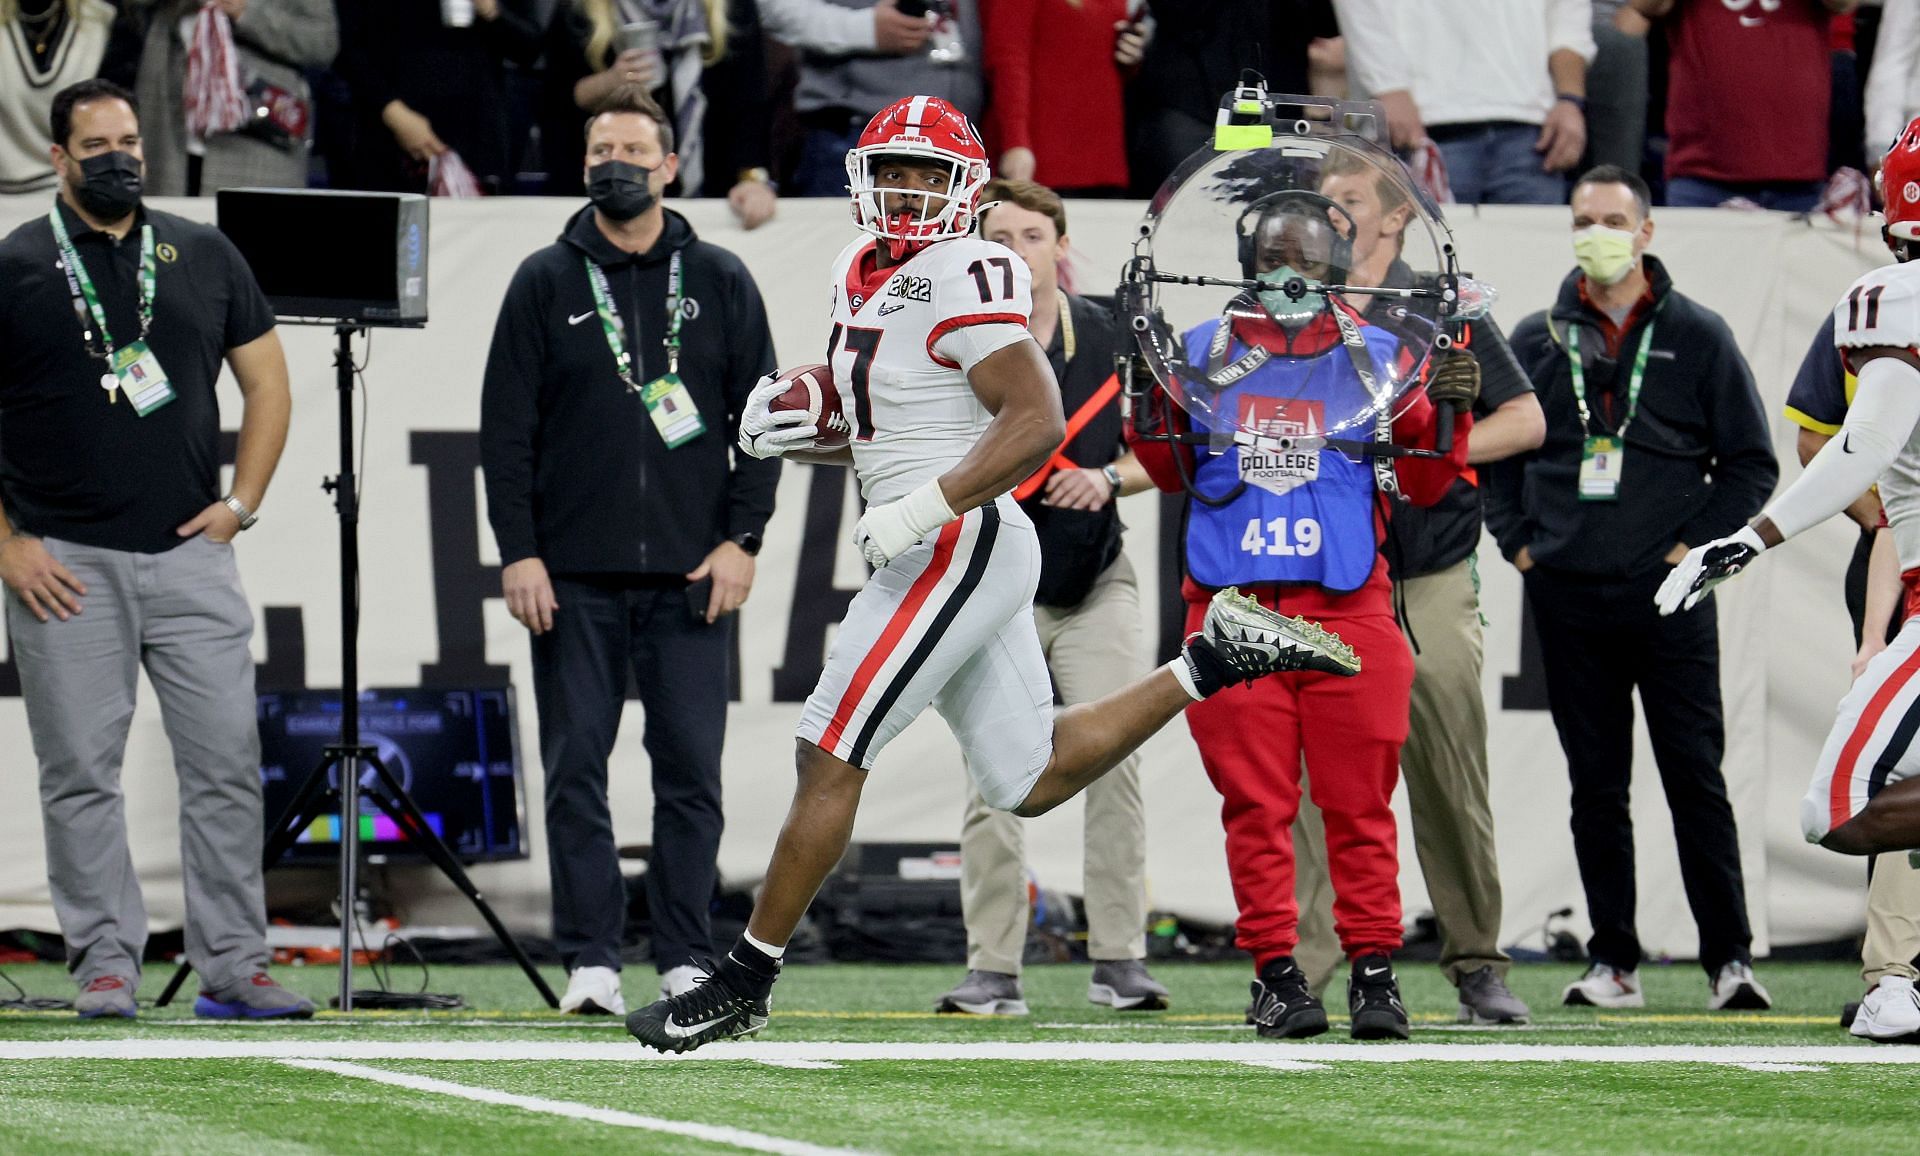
457, 753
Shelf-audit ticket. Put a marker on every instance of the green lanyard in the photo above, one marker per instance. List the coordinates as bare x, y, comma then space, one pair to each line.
610, 324
1634, 381
86, 302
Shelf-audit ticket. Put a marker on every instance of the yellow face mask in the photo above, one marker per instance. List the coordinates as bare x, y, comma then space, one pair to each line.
1605, 255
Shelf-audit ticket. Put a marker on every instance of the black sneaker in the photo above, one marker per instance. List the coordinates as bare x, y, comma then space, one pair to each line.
726, 1004
1283, 1008
1373, 1000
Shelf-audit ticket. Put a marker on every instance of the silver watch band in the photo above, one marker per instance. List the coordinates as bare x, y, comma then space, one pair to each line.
247, 517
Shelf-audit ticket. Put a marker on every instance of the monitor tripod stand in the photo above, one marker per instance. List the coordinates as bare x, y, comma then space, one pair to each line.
349, 767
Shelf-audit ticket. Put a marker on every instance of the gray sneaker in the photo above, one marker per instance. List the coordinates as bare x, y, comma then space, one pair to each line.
1124, 985
985, 993
254, 998
105, 995
1485, 999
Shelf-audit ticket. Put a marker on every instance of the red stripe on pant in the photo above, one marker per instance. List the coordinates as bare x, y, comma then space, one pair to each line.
889, 639
1840, 788
1349, 730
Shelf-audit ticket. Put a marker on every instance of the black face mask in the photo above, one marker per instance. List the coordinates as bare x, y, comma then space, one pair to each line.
110, 185
620, 190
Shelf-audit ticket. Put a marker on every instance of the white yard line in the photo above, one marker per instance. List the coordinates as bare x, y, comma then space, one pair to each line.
802, 1065
559, 1051
1772, 1067
1286, 1065
711, 1133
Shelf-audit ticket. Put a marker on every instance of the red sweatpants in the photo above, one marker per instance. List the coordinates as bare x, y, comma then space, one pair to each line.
1348, 732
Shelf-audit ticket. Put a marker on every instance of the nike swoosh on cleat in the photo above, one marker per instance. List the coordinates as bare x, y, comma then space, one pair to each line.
572, 320
1373, 971
677, 1032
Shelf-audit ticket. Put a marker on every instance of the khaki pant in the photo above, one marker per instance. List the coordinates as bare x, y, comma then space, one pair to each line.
1444, 764
1092, 650
1893, 920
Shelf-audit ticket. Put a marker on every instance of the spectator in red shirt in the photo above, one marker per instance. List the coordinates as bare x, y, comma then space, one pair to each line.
1749, 85
1055, 69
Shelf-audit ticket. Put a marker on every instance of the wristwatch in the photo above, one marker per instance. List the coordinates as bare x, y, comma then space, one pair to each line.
1111, 472
748, 541
247, 517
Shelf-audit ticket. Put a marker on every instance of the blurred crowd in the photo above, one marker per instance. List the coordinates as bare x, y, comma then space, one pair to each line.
1760, 102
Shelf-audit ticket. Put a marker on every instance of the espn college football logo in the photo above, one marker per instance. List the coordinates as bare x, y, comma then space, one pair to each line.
1276, 470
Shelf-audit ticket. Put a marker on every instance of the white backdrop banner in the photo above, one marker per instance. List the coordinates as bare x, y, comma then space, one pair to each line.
432, 612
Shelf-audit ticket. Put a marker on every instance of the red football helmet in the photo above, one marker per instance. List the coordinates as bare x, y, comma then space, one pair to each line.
1899, 181
923, 128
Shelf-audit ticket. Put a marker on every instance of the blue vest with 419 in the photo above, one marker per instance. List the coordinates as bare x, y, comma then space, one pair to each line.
1321, 528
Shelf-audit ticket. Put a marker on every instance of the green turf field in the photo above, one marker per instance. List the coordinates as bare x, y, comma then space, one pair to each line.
855, 1061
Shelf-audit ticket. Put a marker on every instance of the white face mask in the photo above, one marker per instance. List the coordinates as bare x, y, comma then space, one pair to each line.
1604, 255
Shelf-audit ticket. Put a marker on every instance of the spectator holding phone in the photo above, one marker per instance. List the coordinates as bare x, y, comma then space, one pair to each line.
627, 531
857, 57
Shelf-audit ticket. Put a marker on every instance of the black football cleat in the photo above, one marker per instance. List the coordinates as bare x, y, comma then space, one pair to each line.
722, 1006
1240, 640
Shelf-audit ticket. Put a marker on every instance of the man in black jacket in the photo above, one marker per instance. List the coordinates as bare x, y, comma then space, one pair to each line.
1656, 440
619, 364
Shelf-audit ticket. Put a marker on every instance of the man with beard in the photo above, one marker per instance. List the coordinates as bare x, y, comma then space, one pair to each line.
118, 551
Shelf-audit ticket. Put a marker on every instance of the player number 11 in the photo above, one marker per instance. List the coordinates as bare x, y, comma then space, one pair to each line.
1304, 541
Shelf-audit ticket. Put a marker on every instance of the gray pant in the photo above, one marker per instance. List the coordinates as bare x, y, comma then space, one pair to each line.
1092, 650
182, 615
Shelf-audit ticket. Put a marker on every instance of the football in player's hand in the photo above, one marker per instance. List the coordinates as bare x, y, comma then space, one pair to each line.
810, 388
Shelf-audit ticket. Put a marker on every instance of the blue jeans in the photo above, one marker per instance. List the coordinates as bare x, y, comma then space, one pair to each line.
822, 168
1700, 193
1494, 164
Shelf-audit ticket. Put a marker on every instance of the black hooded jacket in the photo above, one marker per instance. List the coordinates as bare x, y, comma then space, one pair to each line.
576, 473
1698, 461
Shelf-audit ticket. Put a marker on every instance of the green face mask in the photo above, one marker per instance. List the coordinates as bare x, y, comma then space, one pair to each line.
1285, 309
1605, 255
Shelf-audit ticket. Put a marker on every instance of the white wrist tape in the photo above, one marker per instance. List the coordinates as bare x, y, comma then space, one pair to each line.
887, 531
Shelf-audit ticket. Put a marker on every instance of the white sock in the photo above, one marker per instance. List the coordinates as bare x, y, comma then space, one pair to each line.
1180, 671
768, 949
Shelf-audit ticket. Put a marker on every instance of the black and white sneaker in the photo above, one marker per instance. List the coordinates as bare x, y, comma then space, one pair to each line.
1240, 640
1373, 1001
1283, 1007
729, 1003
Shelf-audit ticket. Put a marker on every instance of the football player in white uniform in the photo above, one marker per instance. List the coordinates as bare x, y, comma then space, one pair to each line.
1865, 794
952, 405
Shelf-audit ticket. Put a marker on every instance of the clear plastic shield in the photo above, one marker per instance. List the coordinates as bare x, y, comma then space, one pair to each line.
1312, 245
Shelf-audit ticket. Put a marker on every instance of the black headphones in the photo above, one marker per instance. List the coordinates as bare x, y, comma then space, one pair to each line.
1312, 206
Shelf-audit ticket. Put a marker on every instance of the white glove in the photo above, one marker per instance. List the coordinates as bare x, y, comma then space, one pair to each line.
1705, 567
765, 434
888, 530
